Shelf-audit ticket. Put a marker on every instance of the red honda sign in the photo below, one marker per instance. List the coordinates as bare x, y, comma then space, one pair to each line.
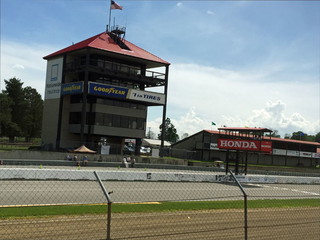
266, 146
247, 145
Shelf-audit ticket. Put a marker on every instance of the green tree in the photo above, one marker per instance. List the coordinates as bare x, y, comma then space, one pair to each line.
7, 127
302, 136
170, 132
310, 138
298, 135
317, 137
5, 112
21, 110
185, 135
15, 92
275, 134
34, 109
287, 136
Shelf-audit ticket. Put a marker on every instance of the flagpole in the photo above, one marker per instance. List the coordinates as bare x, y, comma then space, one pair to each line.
109, 27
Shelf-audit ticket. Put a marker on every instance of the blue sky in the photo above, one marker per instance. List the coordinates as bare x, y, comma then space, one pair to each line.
237, 63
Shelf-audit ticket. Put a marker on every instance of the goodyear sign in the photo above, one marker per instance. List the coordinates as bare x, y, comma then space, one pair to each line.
72, 88
107, 90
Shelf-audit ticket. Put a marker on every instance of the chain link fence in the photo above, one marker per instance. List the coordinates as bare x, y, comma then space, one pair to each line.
121, 203
297, 218
46, 204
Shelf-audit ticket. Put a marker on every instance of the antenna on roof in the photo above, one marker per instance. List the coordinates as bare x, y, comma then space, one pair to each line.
113, 6
116, 32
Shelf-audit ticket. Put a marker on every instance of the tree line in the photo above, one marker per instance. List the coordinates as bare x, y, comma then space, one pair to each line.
21, 111
170, 134
299, 135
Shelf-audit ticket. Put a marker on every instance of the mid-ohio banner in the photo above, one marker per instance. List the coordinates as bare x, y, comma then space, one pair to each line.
246, 145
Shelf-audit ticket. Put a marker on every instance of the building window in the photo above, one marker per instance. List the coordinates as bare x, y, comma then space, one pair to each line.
75, 98
140, 123
117, 103
116, 121
75, 118
133, 123
124, 122
107, 121
142, 107
110, 102
90, 118
99, 119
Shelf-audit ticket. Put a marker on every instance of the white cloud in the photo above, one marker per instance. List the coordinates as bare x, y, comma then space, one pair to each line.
25, 62
18, 66
179, 4
189, 123
210, 12
153, 125
274, 116
257, 98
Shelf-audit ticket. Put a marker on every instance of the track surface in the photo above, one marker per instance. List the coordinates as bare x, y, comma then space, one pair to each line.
73, 192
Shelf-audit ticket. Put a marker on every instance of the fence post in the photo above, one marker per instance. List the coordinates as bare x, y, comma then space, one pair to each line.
245, 205
106, 194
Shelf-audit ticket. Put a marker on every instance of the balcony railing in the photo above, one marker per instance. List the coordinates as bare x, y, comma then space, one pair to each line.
150, 78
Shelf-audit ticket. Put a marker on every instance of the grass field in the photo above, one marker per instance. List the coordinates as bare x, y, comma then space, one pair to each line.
19, 144
43, 211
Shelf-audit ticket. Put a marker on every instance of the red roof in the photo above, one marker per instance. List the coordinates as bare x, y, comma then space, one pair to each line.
104, 42
245, 129
276, 139
212, 131
295, 141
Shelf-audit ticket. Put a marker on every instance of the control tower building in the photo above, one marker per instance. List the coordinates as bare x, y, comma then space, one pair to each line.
99, 90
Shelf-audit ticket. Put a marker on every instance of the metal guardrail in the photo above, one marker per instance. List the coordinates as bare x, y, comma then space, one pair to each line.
116, 68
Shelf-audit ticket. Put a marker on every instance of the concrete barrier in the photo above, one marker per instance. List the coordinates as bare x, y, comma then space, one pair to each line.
25, 155
116, 175
58, 157
270, 179
121, 175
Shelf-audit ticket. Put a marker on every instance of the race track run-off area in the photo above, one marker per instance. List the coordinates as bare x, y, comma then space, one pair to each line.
213, 224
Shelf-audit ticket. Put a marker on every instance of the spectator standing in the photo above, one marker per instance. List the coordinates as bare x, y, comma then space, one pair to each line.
124, 162
85, 160
133, 162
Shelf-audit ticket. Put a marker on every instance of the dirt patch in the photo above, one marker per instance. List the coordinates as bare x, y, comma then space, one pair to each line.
285, 224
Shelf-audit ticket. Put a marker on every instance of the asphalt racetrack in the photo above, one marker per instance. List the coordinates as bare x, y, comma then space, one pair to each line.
78, 192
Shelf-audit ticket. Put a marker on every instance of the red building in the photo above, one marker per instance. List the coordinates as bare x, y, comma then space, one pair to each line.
247, 146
